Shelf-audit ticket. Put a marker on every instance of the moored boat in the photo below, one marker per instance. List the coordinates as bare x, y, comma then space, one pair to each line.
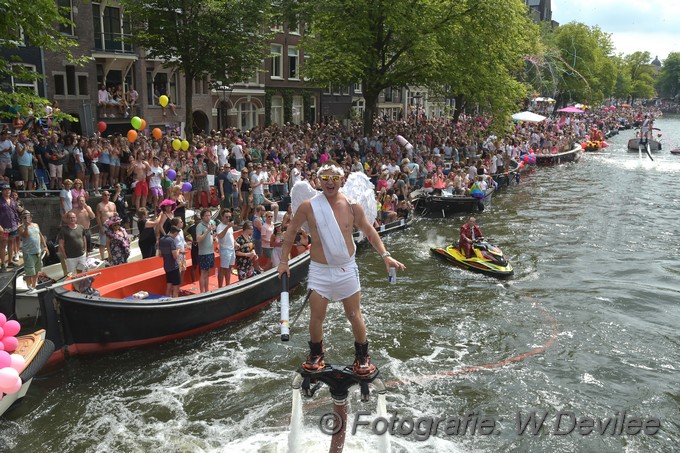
446, 205
383, 230
128, 307
36, 349
559, 158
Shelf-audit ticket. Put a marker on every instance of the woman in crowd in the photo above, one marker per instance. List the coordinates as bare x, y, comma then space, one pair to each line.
147, 233
246, 258
244, 195
117, 241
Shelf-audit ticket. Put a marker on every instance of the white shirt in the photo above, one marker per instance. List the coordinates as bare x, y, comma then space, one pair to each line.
222, 156
155, 180
258, 178
237, 151
227, 241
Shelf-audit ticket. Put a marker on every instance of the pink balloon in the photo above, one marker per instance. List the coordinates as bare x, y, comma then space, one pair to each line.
8, 378
2, 346
3, 319
14, 388
18, 362
2, 333
12, 328
10, 343
5, 359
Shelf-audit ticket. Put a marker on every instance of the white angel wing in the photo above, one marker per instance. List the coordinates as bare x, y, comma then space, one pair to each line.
360, 189
301, 191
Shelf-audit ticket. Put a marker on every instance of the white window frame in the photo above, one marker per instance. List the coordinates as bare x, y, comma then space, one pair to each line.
33, 84
65, 87
252, 115
298, 110
293, 54
277, 62
277, 110
356, 87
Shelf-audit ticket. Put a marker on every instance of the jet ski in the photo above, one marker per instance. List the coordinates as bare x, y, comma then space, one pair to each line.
487, 259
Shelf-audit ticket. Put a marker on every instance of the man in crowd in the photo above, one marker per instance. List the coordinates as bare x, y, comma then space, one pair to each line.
72, 244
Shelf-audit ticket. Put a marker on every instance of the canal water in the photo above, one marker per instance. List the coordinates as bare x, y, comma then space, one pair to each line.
587, 328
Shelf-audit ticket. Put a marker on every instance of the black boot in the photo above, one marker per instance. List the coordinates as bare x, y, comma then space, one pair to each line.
362, 361
315, 358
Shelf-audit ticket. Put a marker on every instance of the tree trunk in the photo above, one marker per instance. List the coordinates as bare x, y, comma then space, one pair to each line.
188, 102
371, 99
460, 105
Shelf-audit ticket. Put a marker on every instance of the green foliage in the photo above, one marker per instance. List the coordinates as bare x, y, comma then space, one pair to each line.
669, 77
222, 39
35, 23
641, 75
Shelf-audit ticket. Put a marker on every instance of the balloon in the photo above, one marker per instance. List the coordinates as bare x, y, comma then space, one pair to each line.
18, 362
143, 126
171, 174
163, 100
12, 328
526, 158
186, 187
157, 133
132, 135
8, 377
176, 144
533, 159
101, 126
2, 334
136, 122
15, 387
185, 145
10, 343
3, 319
5, 359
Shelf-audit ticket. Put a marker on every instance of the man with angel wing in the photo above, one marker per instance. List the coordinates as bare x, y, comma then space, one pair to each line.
330, 217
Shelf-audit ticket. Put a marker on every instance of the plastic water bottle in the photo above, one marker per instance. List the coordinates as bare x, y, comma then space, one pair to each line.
392, 276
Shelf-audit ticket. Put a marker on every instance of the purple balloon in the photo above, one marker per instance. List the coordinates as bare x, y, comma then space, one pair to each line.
171, 174
186, 187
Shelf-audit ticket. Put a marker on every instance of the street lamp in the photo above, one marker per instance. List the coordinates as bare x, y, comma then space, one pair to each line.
417, 97
226, 90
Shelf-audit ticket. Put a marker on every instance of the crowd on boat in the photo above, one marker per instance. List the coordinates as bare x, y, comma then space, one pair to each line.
244, 171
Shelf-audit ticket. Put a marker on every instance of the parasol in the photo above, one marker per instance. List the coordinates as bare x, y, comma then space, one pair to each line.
529, 117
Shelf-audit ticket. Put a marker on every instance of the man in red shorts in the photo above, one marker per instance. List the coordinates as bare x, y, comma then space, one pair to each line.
140, 169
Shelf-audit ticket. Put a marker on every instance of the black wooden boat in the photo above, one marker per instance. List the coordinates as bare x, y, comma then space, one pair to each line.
634, 144
509, 177
559, 158
131, 309
383, 230
445, 205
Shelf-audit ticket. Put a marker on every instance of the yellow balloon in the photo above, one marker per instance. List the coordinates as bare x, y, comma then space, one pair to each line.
185, 145
163, 100
176, 144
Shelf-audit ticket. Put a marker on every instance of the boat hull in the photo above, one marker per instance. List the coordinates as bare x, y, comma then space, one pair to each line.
440, 206
453, 255
634, 144
559, 158
94, 324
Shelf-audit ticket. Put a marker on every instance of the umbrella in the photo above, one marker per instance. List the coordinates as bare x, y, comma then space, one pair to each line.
571, 109
530, 117
625, 106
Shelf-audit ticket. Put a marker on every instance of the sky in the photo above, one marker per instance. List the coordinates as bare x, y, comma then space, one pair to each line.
634, 25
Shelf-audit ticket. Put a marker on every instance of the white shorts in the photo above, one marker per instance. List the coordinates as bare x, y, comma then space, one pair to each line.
334, 282
76, 264
227, 258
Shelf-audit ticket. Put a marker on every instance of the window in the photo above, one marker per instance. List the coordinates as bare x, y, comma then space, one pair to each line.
70, 82
294, 27
388, 94
247, 113
277, 110
162, 83
356, 88
24, 84
312, 109
328, 89
110, 25
298, 112
66, 11
277, 61
293, 62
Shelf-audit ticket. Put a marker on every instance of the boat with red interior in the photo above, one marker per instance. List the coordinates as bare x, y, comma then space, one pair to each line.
125, 306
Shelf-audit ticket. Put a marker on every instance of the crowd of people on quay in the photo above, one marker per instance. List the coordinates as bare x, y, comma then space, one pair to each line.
244, 173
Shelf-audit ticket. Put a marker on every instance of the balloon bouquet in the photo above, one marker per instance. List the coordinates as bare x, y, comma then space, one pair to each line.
10, 364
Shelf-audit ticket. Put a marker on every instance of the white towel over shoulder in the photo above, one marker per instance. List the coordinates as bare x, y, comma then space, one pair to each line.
332, 241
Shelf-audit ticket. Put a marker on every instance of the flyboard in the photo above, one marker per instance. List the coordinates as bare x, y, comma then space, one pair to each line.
646, 147
338, 378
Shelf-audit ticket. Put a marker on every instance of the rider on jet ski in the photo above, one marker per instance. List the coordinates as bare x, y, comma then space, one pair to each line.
469, 233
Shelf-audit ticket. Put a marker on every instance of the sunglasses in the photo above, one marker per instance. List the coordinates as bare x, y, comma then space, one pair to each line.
335, 178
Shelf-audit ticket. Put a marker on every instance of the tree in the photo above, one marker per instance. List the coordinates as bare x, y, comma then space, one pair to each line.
381, 43
220, 39
484, 54
35, 23
641, 75
669, 77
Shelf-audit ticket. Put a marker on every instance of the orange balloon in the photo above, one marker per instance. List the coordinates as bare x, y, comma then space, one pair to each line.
132, 135
157, 133
143, 125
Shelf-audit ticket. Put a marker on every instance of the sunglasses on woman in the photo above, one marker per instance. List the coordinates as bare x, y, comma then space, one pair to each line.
335, 178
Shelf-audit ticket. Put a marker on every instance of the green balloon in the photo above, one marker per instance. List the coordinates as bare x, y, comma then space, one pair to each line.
136, 122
